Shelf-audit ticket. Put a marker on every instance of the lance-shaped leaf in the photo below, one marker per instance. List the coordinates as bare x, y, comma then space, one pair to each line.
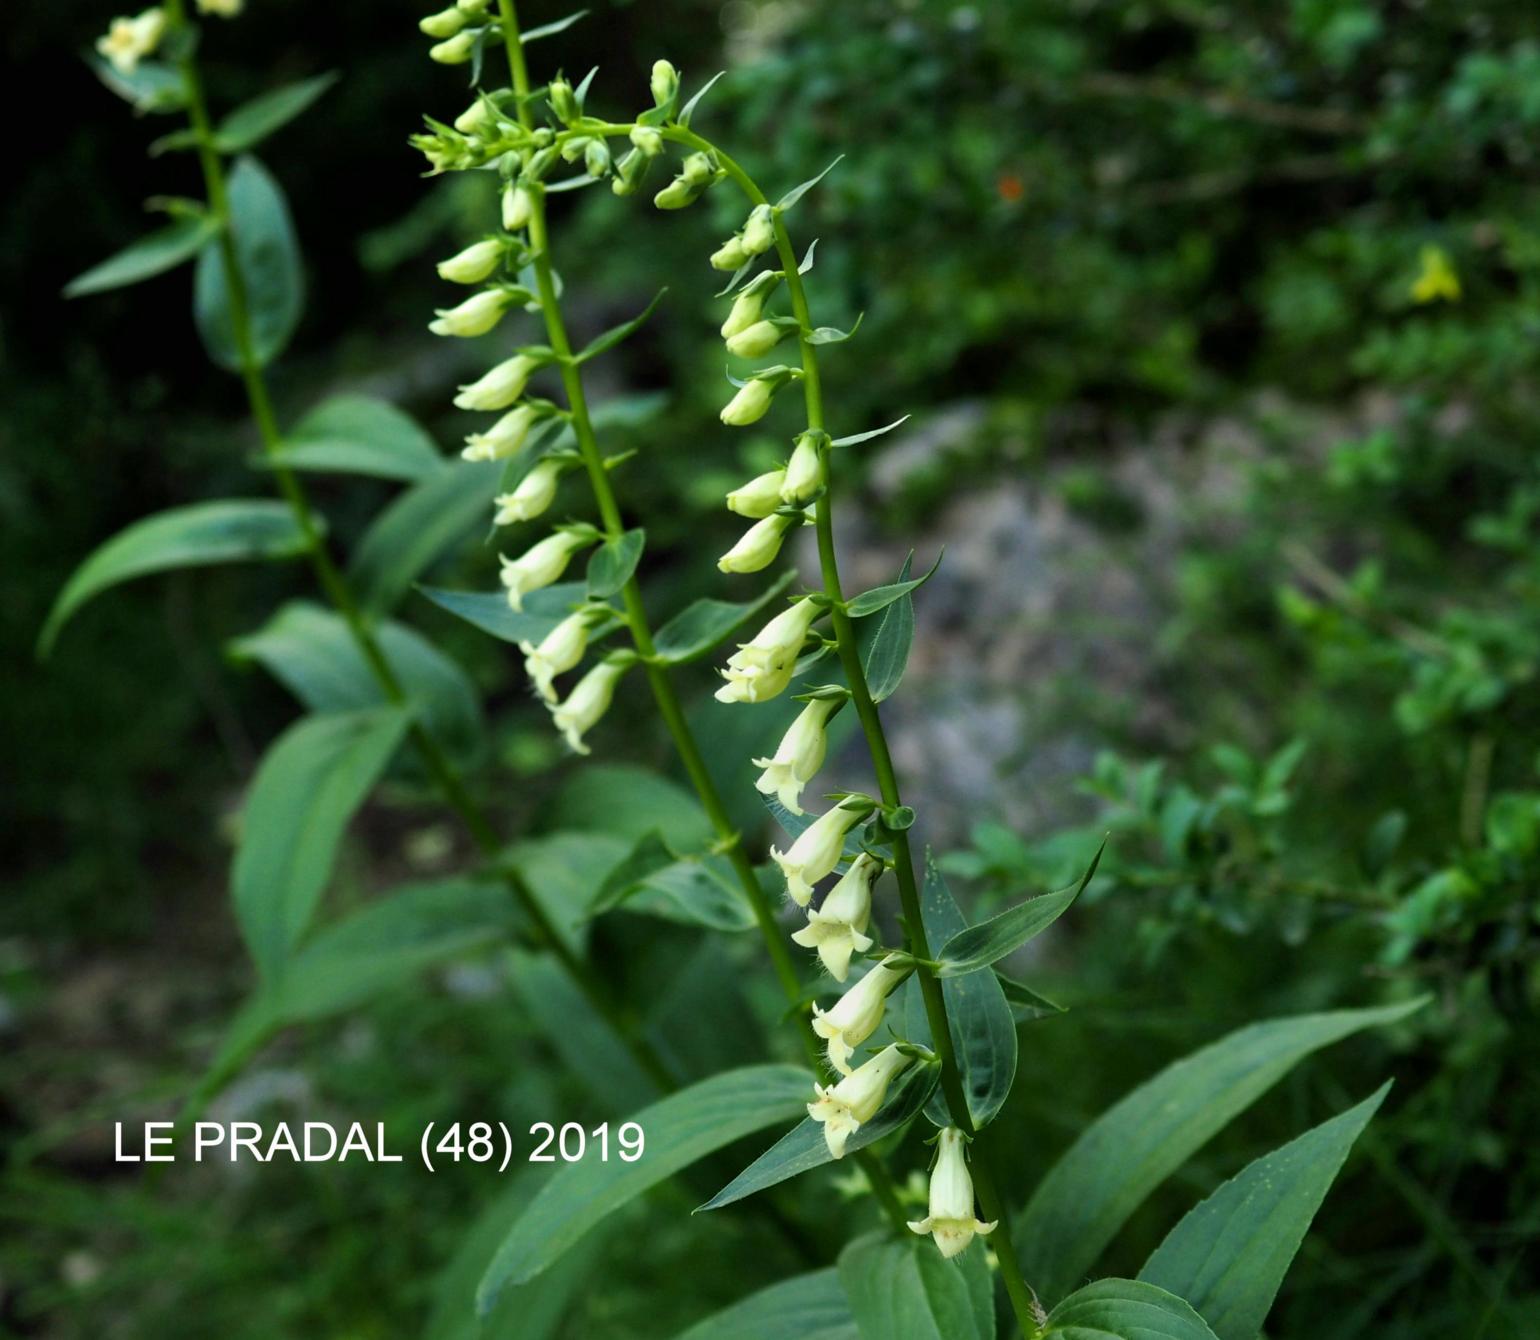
552, 28
153, 254
705, 624
806, 1307
1136, 1144
233, 531
857, 438
885, 639
267, 255
904, 1289
613, 564
1230, 1253
694, 891
1026, 1005
1115, 1309
359, 435
616, 334
254, 121
833, 334
688, 110
797, 192
990, 941
804, 1148
679, 1129
880, 597
307, 789
807, 264
418, 529
490, 612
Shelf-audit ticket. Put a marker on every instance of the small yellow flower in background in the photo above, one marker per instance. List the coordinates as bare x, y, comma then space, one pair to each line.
847, 1106
226, 9
951, 1221
1437, 279
128, 41
856, 1014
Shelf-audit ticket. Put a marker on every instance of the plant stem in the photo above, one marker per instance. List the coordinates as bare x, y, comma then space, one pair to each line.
335, 585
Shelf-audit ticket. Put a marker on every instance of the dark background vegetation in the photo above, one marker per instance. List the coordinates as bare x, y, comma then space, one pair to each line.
1215, 475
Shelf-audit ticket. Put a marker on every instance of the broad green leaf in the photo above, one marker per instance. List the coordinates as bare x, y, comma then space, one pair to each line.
904, 1289
704, 625
806, 1307
613, 564
804, 1148
1230, 1253
153, 254
232, 531
308, 787
152, 86
607, 341
552, 28
885, 639
418, 529
797, 192
880, 597
359, 435
695, 891
490, 612
982, 1025
254, 121
990, 941
564, 871
1026, 1005
1115, 1309
267, 253
312, 652
1136, 1144
680, 1129
630, 803
856, 438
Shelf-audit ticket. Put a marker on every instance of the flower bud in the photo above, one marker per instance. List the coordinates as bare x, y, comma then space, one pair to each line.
225, 9
477, 117
665, 83
629, 171
698, 170
534, 495
857, 1013
748, 305
951, 1221
815, 853
517, 204
572, 150
446, 23
477, 262
799, 755
563, 101
856, 1099
759, 231
648, 139
457, 50
503, 438
750, 404
756, 340
759, 497
596, 158
678, 194
729, 256
760, 669
758, 547
589, 700
475, 316
128, 41
837, 929
541, 564
473, 6
560, 650
805, 471
500, 387
541, 162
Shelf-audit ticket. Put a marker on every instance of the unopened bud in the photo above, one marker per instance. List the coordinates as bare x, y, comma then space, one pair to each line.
758, 547
665, 83
457, 50
648, 140
758, 339
540, 163
596, 158
804, 472
477, 262
516, 207
676, 195
730, 255
446, 23
630, 168
759, 497
475, 316
698, 170
563, 101
749, 304
750, 404
759, 231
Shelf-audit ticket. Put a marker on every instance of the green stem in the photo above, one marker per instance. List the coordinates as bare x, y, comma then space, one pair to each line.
335, 585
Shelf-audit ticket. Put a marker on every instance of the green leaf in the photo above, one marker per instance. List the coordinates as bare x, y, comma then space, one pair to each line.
1026, 1005
153, 86
307, 788
694, 891
418, 529
267, 254
1115, 1309
885, 642
832, 334
564, 870
797, 192
359, 435
705, 624
613, 564
804, 1148
904, 1289
551, 29
616, 334
254, 121
231, 531
983, 1028
680, 1129
806, 1307
629, 803
688, 110
867, 437
1136, 1144
313, 653
1230, 1253
880, 597
990, 941
153, 254
489, 610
